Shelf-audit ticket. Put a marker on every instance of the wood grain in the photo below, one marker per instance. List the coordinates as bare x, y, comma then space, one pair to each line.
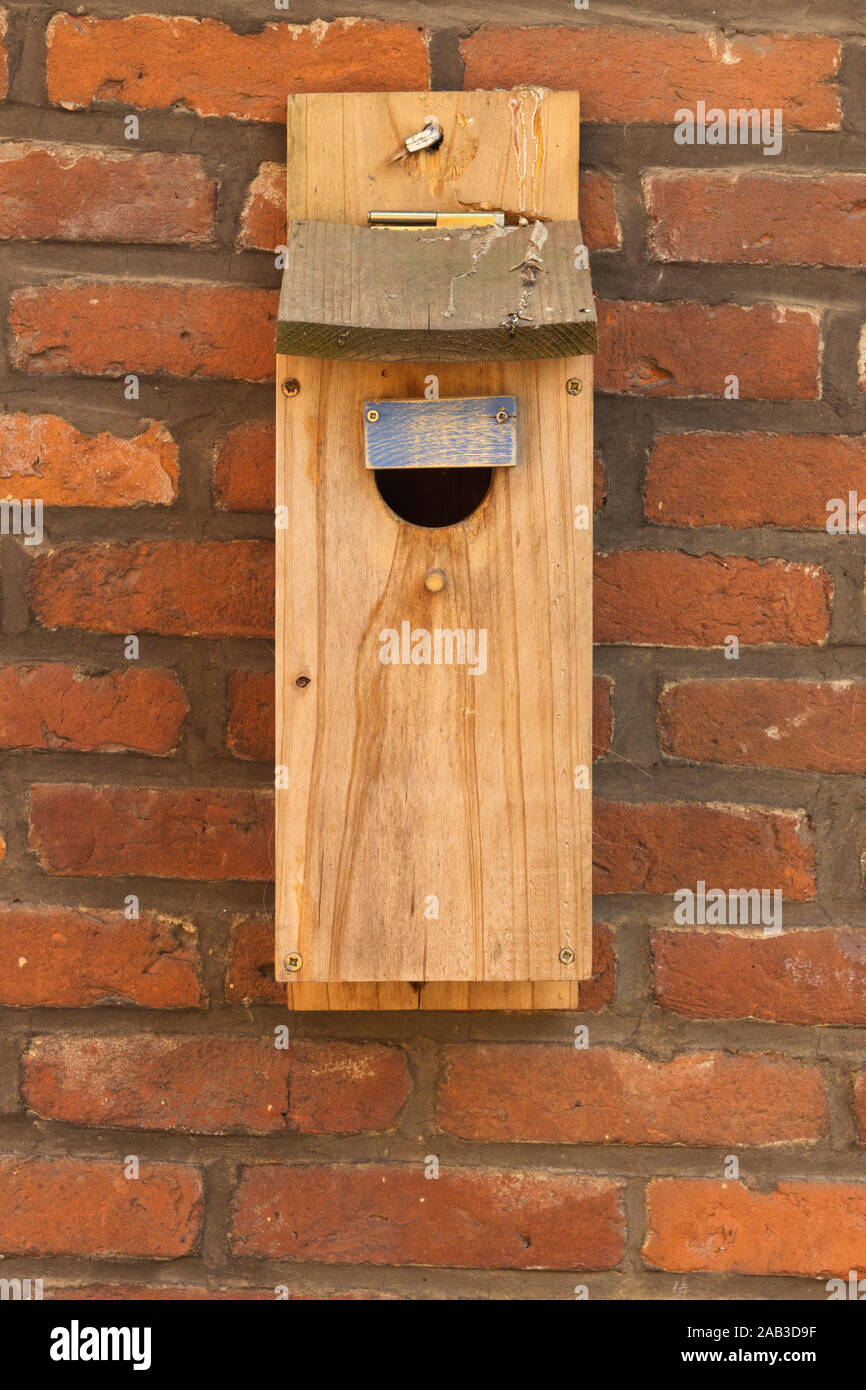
514, 151
510, 151
477, 294
414, 781
440, 996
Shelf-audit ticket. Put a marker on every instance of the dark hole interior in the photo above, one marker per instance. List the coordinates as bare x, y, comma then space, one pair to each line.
433, 496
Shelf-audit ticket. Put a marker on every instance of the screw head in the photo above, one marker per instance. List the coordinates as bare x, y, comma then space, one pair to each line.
566, 955
291, 386
294, 962
502, 416
372, 416
574, 386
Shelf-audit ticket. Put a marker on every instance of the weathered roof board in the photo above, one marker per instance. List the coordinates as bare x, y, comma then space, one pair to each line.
408, 294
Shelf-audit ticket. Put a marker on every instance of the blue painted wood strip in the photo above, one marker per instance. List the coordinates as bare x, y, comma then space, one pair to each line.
461, 432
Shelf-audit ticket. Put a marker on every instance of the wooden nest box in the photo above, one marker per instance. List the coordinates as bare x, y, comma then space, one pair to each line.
434, 550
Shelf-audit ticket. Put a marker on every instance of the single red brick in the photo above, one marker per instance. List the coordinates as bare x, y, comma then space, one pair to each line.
263, 219
634, 73
741, 480
598, 220
49, 704
388, 1214
598, 991
602, 715
56, 957
811, 726
812, 1229
250, 975
656, 847
153, 61
81, 1206
800, 976
217, 834
686, 349
205, 1085
66, 468
113, 327
81, 193
665, 598
215, 1085
746, 217
346, 1088
250, 732
181, 588
245, 469
560, 1095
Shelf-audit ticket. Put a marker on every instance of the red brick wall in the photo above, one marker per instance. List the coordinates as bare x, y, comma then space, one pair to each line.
151, 1039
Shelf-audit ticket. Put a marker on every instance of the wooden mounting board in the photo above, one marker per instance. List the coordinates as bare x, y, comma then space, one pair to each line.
512, 151
515, 152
